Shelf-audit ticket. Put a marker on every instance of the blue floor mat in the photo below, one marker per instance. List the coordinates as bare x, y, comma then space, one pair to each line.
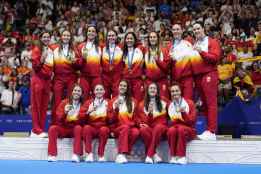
66, 167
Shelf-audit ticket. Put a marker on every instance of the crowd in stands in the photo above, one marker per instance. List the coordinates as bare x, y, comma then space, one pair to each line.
236, 23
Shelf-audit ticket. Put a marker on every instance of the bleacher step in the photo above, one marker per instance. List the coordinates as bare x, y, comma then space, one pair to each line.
221, 151
16, 134
224, 137
251, 137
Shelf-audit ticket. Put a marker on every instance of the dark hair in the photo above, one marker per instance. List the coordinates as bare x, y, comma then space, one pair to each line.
41, 45
158, 44
70, 97
107, 42
157, 97
71, 46
101, 84
199, 23
179, 24
125, 47
175, 83
255, 63
128, 95
96, 40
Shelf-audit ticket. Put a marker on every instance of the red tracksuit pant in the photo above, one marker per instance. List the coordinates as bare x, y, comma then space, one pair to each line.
207, 85
126, 136
60, 86
186, 85
88, 84
152, 137
56, 132
178, 136
40, 96
111, 83
163, 85
90, 132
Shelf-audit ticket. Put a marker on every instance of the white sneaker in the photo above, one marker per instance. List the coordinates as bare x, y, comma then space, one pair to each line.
182, 160
121, 158
173, 160
101, 159
33, 135
89, 157
157, 158
207, 135
51, 158
41, 135
76, 158
148, 160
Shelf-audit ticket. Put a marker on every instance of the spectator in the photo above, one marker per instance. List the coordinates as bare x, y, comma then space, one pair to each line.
10, 98
24, 90
26, 55
258, 40
243, 84
2, 85
226, 71
165, 10
256, 76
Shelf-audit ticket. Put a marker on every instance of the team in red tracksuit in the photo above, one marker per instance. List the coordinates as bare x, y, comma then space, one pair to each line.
182, 114
96, 116
122, 114
181, 53
204, 68
40, 86
112, 65
62, 61
68, 124
89, 56
152, 119
133, 65
156, 61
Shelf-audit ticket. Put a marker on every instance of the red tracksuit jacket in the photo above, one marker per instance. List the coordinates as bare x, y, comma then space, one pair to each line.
209, 56
188, 119
152, 119
62, 118
136, 66
90, 60
59, 64
181, 64
97, 118
121, 116
112, 63
156, 68
37, 65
